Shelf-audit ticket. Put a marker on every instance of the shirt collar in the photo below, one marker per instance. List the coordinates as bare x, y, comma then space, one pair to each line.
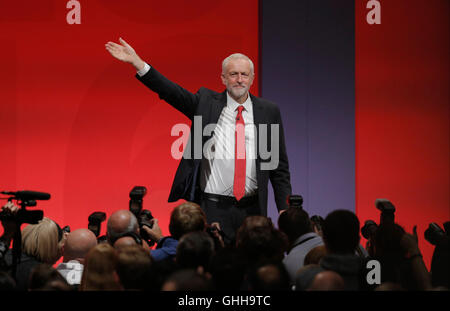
234, 104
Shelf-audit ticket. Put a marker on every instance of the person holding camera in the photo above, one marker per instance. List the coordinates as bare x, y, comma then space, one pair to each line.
9, 230
186, 217
123, 228
41, 243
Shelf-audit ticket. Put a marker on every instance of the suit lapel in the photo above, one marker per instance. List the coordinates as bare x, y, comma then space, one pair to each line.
217, 106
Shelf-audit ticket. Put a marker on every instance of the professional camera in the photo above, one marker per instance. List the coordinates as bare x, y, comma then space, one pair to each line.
25, 199
434, 233
387, 209
369, 229
294, 200
387, 217
95, 221
143, 216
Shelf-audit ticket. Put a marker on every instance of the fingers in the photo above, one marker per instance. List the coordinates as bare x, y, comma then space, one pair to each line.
216, 224
124, 43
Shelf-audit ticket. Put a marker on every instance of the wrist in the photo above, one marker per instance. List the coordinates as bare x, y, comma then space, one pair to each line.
138, 64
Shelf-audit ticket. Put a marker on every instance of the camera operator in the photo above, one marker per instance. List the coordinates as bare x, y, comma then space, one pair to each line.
9, 229
41, 243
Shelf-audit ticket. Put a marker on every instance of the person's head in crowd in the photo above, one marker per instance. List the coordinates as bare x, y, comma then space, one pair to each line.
252, 222
120, 222
125, 241
389, 287
315, 255
341, 232
43, 241
187, 280
259, 240
269, 277
134, 265
327, 281
305, 276
294, 222
195, 250
186, 217
228, 269
78, 244
100, 269
45, 277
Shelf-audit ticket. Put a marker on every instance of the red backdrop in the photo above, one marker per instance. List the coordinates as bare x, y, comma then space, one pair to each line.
402, 113
75, 122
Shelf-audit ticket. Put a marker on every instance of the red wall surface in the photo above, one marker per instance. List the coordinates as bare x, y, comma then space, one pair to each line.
402, 113
76, 123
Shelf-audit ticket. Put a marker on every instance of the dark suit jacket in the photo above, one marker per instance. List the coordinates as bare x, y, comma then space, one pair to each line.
209, 104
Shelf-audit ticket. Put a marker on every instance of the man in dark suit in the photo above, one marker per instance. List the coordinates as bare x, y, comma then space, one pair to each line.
227, 170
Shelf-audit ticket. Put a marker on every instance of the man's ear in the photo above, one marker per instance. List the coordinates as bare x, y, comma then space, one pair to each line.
222, 76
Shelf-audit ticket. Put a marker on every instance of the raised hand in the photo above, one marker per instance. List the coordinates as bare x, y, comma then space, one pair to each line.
125, 53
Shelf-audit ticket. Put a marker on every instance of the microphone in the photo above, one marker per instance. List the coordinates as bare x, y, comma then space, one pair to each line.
28, 195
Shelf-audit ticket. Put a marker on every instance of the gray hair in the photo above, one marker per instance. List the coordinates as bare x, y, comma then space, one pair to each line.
237, 56
133, 226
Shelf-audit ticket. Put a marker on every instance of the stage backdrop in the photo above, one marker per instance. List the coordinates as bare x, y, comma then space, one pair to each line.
76, 123
365, 106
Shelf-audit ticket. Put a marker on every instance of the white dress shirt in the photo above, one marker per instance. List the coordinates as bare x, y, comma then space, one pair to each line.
217, 175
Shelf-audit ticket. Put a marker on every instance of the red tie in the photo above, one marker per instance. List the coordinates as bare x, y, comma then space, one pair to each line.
239, 156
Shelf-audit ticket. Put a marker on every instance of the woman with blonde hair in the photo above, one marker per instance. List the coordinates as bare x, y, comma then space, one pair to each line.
100, 269
41, 243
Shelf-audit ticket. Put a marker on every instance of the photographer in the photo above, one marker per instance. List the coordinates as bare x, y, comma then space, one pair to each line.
186, 217
9, 229
41, 243
400, 256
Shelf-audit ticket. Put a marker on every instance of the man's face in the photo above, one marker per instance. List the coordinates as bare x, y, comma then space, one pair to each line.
238, 78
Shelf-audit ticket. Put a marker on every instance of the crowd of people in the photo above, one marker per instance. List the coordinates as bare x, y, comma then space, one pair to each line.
296, 255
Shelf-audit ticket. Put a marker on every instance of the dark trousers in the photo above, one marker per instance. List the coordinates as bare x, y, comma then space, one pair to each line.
229, 213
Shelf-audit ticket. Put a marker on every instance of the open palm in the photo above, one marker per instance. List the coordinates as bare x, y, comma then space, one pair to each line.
122, 51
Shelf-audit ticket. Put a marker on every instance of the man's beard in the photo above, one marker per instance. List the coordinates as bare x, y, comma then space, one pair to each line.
237, 92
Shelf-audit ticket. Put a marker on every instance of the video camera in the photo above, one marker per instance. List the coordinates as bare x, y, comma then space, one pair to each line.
25, 199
